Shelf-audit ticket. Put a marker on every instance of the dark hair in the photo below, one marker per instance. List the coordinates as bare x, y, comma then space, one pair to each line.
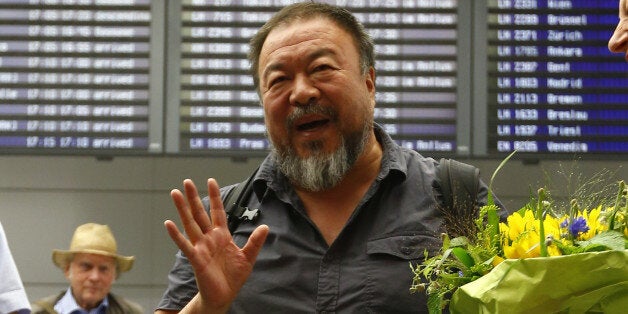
309, 10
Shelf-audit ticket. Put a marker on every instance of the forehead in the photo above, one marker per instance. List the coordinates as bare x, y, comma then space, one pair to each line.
95, 259
296, 35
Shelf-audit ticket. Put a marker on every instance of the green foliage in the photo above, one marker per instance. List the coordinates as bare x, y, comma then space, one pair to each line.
610, 240
466, 258
459, 262
621, 195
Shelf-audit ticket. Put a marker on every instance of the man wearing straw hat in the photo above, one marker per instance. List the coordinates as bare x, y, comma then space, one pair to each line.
91, 265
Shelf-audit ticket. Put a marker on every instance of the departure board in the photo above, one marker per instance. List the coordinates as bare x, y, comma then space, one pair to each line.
74, 76
454, 78
417, 73
553, 86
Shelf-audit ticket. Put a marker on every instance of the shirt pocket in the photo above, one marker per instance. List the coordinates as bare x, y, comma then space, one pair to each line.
407, 247
389, 276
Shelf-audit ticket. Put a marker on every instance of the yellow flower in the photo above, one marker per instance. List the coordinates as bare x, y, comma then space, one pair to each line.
525, 246
497, 260
521, 235
594, 221
619, 219
517, 224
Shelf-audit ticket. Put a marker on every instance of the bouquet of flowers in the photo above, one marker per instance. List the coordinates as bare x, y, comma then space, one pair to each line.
545, 259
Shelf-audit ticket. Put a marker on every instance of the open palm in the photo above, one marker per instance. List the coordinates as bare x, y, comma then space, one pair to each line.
220, 266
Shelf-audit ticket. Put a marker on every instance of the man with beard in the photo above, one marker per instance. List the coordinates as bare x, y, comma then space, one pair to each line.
344, 209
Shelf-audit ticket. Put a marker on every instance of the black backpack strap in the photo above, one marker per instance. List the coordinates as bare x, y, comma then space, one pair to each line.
236, 213
459, 183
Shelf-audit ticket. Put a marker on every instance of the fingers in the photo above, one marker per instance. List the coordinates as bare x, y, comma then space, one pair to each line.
185, 213
197, 223
177, 237
194, 218
198, 210
217, 209
255, 243
619, 41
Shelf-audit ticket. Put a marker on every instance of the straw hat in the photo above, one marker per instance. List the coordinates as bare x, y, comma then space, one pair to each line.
93, 238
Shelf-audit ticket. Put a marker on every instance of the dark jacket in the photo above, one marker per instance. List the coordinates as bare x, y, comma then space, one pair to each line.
117, 305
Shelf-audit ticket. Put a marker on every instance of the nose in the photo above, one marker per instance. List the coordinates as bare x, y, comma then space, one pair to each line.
94, 274
303, 92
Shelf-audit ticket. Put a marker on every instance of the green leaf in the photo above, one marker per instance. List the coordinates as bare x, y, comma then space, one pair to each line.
463, 256
490, 200
459, 241
540, 212
612, 240
446, 240
493, 226
434, 301
622, 187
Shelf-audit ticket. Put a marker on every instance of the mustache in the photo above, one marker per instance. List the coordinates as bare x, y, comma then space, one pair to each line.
310, 108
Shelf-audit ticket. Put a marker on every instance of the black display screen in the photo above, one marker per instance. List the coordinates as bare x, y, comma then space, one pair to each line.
454, 78
553, 85
416, 43
74, 75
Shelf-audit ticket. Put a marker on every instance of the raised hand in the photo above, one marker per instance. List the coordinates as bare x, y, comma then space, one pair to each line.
220, 266
619, 41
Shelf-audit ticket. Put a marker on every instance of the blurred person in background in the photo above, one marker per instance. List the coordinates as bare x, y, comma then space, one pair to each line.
91, 266
12, 295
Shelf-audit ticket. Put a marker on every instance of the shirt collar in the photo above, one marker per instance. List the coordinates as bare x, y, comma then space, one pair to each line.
67, 305
393, 160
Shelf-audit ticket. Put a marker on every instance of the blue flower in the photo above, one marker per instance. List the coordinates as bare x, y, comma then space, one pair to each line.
565, 223
578, 226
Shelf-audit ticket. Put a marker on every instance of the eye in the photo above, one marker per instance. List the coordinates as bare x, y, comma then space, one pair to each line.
322, 67
276, 80
105, 269
85, 266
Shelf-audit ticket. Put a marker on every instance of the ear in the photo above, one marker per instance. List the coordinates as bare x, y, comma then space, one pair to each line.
369, 80
66, 271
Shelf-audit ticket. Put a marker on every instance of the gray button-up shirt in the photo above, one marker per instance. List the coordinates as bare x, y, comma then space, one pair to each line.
365, 270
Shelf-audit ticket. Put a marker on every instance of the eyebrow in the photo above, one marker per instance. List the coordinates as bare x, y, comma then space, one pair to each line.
312, 56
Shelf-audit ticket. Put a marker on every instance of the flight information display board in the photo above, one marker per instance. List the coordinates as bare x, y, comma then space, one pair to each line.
417, 73
553, 86
74, 76
465, 78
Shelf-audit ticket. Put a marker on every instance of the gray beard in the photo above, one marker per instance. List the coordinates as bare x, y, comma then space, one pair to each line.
322, 171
